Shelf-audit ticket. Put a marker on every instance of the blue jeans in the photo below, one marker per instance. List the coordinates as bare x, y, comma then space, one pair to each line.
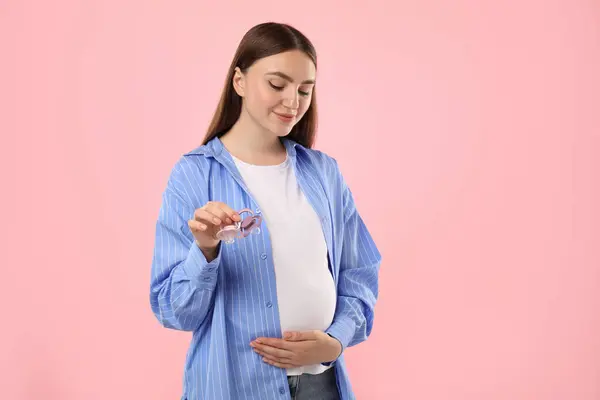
314, 387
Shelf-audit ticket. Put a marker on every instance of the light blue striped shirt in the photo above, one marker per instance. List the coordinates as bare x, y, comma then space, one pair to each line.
232, 300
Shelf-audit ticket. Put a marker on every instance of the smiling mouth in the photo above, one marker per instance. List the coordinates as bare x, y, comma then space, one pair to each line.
285, 117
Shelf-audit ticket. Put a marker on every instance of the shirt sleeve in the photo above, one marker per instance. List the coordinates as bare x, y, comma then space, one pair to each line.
182, 280
358, 281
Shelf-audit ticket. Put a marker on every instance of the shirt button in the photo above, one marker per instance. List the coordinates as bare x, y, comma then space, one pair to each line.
263, 256
211, 269
207, 278
281, 390
269, 304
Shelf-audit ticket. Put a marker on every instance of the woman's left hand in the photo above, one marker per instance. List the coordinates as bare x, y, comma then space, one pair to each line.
298, 349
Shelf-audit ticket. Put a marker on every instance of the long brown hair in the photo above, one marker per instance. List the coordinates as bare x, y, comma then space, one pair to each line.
261, 41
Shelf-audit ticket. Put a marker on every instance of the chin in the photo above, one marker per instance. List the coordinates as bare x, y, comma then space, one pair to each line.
280, 130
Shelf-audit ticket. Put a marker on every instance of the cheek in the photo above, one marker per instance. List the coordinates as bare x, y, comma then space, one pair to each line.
303, 106
264, 99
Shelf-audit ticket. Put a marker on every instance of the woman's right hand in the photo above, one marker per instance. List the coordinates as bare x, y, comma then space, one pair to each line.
207, 221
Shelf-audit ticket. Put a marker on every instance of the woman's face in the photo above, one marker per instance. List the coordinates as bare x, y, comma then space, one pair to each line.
277, 90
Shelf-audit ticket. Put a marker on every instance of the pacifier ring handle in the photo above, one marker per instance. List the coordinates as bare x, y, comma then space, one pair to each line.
241, 229
245, 210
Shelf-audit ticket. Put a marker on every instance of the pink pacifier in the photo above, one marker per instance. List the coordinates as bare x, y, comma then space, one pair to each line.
248, 225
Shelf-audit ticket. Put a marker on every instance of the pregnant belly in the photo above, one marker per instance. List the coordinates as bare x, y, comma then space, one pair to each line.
307, 303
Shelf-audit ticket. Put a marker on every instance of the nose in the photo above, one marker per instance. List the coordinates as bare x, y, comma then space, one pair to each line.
291, 100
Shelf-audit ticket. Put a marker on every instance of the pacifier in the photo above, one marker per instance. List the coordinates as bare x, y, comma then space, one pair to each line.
249, 224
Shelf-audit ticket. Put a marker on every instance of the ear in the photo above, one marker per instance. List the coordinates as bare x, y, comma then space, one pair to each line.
239, 81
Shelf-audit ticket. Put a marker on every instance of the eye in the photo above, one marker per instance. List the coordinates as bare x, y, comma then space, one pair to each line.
278, 88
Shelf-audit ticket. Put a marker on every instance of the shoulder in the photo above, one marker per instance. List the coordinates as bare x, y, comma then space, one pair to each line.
324, 162
327, 170
190, 170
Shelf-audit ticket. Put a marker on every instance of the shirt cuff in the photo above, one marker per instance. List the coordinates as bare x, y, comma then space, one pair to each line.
201, 271
328, 363
342, 329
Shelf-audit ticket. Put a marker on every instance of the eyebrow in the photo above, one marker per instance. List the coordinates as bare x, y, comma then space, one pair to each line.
289, 78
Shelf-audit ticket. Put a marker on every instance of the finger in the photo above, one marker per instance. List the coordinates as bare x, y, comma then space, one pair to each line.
274, 342
270, 357
223, 212
196, 226
206, 216
217, 210
231, 213
273, 351
279, 363
296, 336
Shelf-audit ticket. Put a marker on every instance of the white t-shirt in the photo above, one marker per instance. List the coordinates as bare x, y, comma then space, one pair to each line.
305, 288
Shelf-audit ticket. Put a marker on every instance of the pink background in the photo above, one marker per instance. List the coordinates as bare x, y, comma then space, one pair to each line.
478, 123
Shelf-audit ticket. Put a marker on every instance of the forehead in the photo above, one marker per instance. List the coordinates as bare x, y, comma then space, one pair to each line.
295, 64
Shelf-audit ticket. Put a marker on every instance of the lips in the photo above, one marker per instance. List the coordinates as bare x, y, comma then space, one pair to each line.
285, 117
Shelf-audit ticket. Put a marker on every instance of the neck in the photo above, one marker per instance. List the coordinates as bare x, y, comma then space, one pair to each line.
250, 143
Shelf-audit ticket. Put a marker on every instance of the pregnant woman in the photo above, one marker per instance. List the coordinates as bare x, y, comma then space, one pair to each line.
260, 250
